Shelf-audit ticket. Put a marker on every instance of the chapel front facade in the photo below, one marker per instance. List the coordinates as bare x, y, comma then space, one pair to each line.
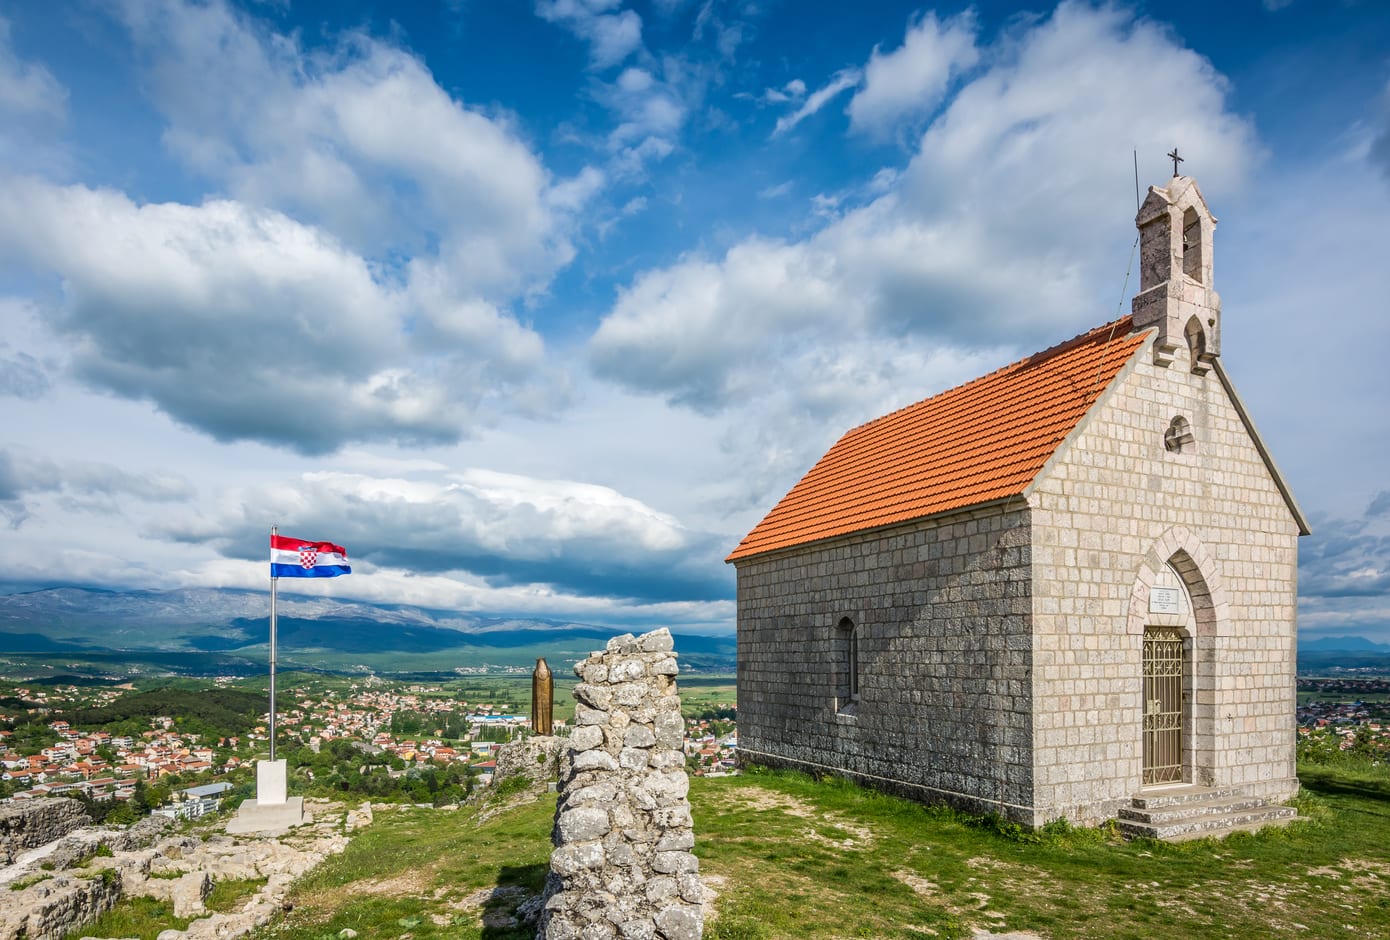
1046, 591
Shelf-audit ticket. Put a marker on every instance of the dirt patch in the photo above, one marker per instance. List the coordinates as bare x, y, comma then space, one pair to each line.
920, 886
1365, 865
711, 883
411, 882
478, 899
759, 798
930, 891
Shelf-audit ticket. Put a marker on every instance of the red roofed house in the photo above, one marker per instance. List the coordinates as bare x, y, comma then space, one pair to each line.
1065, 589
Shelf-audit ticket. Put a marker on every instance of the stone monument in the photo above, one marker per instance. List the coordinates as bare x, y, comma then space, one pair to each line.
622, 865
542, 698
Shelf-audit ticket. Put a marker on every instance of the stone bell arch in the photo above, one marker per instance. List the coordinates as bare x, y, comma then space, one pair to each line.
1175, 275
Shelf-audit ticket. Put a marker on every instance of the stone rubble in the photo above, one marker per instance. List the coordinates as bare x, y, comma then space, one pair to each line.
536, 758
623, 865
148, 861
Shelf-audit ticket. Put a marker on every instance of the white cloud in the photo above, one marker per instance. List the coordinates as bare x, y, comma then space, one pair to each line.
33, 111
359, 139
910, 81
794, 90
841, 81
1380, 143
650, 112
612, 34
23, 377
499, 529
28, 89
1013, 220
246, 324
81, 486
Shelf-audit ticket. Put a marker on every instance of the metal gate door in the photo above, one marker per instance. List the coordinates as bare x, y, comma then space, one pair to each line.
1163, 701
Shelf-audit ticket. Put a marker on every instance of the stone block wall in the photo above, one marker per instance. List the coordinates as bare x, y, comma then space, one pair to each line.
1111, 510
942, 612
622, 865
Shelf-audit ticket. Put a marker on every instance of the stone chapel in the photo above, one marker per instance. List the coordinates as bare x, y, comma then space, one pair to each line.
1064, 589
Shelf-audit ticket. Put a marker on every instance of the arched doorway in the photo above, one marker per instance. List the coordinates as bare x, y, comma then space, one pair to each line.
1175, 615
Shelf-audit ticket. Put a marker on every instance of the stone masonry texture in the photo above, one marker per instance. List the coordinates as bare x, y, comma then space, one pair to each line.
942, 612
1000, 649
622, 865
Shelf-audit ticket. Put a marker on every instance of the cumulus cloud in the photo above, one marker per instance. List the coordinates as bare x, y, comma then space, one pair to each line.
246, 324
993, 229
612, 34
358, 139
82, 486
910, 81
502, 530
840, 82
650, 112
1013, 219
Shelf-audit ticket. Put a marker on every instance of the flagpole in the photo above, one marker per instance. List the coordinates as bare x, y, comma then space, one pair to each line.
273, 580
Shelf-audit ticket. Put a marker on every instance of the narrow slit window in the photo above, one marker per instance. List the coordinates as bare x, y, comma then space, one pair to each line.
847, 665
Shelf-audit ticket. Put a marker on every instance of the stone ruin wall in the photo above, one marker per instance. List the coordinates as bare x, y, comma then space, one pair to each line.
31, 823
623, 868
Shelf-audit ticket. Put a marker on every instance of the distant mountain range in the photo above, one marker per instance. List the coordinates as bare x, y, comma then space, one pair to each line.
312, 632
1343, 644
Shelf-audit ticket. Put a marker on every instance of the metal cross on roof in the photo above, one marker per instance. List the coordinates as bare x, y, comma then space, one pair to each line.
1173, 155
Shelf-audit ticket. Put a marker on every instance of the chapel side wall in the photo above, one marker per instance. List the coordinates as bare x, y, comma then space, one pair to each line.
942, 610
1107, 499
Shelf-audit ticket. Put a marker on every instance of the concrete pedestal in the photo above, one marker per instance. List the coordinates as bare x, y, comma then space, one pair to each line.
271, 809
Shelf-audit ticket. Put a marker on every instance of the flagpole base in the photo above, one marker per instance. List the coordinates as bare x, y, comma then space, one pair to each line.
272, 809
275, 818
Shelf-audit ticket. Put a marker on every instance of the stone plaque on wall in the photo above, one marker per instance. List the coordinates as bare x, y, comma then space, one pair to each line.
1165, 600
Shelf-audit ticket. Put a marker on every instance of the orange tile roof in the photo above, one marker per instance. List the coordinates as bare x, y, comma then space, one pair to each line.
975, 443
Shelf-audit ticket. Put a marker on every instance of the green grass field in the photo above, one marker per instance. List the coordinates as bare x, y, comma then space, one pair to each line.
792, 857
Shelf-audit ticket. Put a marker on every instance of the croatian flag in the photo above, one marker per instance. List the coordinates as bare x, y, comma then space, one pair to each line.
296, 558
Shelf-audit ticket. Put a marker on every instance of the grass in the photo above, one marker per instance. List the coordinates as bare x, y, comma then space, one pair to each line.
141, 918
431, 873
228, 895
795, 857
19, 884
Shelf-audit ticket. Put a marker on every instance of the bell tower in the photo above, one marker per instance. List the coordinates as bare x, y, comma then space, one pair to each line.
1175, 288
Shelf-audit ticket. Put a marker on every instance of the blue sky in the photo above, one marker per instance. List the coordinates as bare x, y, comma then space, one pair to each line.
538, 307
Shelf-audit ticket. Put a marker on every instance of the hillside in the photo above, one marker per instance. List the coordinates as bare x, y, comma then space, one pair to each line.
210, 631
225, 711
793, 857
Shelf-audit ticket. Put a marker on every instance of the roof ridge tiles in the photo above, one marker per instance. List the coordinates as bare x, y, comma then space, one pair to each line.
977, 442
1035, 359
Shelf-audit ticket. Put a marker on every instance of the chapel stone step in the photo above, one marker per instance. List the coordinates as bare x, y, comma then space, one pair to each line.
1191, 812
